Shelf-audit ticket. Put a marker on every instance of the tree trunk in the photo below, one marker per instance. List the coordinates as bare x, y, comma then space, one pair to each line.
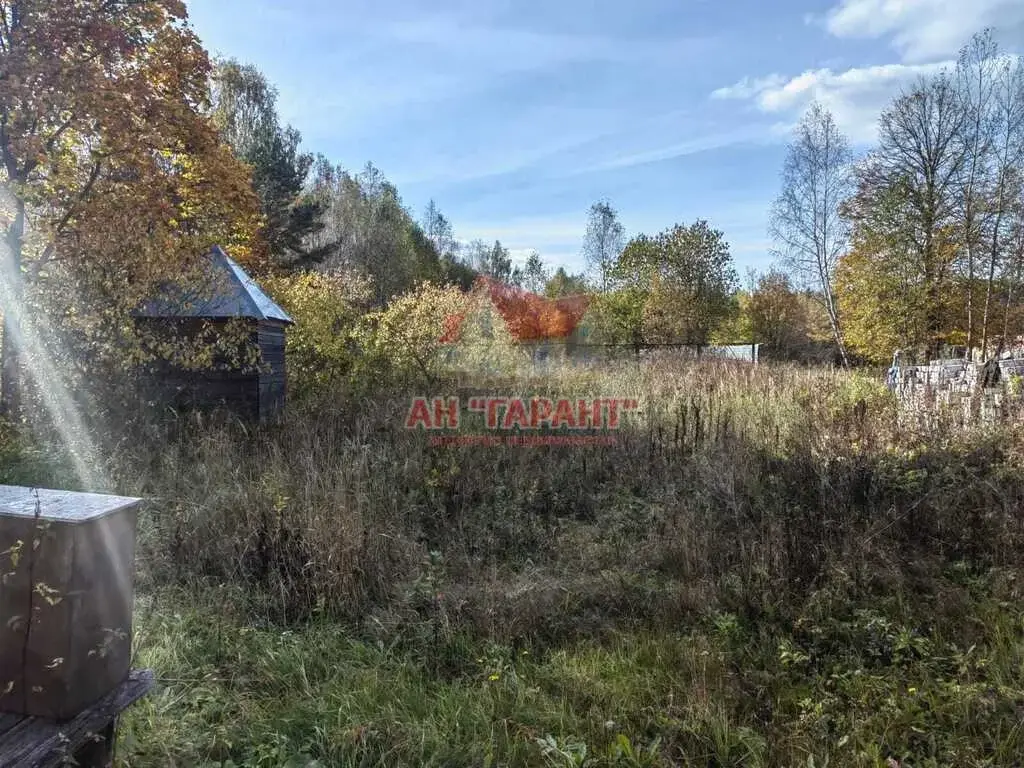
970, 297
993, 256
988, 302
10, 301
1008, 303
833, 320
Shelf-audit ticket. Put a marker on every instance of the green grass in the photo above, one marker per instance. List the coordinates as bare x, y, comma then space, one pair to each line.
851, 690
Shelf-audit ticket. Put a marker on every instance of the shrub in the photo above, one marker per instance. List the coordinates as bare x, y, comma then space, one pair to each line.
322, 345
403, 344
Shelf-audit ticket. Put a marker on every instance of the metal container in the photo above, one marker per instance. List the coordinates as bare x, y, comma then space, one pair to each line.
66, 598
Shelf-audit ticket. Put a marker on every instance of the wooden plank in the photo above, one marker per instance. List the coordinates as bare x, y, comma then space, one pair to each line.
8, 721
38, 743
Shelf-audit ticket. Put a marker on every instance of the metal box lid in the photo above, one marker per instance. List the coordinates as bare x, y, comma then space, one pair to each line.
60, 506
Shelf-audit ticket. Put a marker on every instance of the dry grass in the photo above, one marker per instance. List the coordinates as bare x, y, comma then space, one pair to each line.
771, 567
763, 475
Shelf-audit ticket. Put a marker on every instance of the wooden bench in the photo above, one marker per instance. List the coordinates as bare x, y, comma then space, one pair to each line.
87, 741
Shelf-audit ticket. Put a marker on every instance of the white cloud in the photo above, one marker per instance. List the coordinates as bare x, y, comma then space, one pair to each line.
923, 30
690, 146
748, 87
855, 96
927, 34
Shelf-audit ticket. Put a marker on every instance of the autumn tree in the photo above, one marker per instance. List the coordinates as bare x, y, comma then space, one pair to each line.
500, 265
975, 87
686, 278
905, 206
736, 327
323, 345
492, 261
619, 317
367, 229
805, 218
887, 306
476, 253
405, 341
244, 108
115, 179
778, 315
603, 243
1013, 317
1007, 188
439, 231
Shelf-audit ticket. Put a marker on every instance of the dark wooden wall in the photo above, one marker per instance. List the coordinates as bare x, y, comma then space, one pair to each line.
251, 394
273, 377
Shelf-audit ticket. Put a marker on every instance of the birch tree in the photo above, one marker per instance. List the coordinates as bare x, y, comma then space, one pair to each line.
603, 243
805, 223
1008, 157
975, 83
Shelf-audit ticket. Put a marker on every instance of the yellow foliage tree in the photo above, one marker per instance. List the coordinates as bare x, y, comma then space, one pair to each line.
323, 344
407, 340
114, 181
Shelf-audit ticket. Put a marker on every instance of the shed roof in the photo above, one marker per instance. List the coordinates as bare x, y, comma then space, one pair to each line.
226, 291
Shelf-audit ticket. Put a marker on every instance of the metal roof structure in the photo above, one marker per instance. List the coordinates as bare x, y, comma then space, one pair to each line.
225, 290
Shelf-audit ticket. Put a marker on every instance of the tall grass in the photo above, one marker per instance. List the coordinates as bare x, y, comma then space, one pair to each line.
772, 566
763, 475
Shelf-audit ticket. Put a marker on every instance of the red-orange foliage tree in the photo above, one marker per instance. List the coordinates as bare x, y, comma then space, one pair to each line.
533, 318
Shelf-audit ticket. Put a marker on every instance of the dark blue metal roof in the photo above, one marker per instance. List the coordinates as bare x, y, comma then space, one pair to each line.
224, 291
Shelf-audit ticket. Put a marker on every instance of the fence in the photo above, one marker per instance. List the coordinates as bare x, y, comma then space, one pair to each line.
588, 353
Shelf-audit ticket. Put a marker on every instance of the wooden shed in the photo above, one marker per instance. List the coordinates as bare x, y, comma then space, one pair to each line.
251, 383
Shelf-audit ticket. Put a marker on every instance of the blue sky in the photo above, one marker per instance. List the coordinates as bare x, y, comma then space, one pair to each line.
516, 115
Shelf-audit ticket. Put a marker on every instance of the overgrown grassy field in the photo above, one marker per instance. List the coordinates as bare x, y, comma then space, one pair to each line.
773, 567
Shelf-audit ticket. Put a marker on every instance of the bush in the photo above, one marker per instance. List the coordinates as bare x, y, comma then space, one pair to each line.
403, 344
323, 344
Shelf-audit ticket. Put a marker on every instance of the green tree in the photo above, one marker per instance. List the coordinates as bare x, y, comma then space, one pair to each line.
687, 277
535, 276
563, 284
245, 111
